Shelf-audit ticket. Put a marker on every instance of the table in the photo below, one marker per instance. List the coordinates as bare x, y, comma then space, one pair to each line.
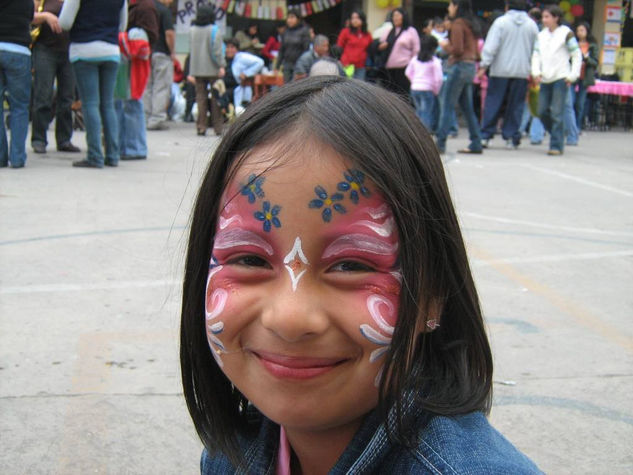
614, 88
264, 82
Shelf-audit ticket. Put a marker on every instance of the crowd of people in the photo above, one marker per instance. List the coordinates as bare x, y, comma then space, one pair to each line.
111, 63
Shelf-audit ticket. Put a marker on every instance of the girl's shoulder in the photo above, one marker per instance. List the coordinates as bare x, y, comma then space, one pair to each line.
460, 444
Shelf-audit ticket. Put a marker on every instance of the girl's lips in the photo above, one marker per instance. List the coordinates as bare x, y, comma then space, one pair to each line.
293, 367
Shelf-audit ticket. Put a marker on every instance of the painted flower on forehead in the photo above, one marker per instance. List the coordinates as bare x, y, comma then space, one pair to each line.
327, 203
355, 179
269, 216
253, 189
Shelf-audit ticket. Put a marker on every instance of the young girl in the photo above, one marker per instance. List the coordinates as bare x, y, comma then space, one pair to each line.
425, 74
330, 321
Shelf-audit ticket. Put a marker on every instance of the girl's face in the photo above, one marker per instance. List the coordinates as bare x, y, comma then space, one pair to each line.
396, 19
549, 21
581, 32
303, 285
355, 20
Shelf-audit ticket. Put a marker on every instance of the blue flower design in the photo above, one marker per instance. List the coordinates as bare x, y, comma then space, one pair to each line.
354, 183
327, 203
253, 189
269, 216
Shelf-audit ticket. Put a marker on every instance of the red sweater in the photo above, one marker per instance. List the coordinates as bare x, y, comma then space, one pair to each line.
354, 47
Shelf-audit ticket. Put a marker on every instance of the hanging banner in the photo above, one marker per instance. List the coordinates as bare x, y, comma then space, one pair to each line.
187, 12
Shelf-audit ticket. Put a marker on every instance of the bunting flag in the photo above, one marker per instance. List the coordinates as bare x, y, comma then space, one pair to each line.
272, 9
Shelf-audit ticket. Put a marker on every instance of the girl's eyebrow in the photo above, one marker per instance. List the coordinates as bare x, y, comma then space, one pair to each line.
227, 238
360, 242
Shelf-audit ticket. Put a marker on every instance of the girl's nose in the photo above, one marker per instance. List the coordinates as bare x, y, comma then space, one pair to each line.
295, 315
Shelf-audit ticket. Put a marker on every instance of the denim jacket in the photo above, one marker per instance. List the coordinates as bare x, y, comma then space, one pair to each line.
465, 444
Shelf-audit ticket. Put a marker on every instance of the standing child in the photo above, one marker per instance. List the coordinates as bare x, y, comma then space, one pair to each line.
330, 321
425, 74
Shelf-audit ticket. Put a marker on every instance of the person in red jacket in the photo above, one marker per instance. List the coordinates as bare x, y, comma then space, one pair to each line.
355, 40
271, 48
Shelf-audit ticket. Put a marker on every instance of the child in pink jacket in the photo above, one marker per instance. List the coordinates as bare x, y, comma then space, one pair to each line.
425, 74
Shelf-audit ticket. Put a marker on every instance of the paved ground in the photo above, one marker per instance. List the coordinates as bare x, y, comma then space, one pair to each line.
90, 264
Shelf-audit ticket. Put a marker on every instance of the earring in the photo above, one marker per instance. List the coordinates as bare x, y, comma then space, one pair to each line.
432, 324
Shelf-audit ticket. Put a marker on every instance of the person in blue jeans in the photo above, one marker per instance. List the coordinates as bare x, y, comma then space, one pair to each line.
94, 53
15, 78
462, 48
506, 55
556, 64
425, 75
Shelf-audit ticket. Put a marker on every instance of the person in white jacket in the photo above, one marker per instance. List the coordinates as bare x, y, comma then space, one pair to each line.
506, 56
556, 63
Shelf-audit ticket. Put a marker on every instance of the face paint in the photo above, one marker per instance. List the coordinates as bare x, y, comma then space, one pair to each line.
293, 261
235, 237
360, 242
214, 306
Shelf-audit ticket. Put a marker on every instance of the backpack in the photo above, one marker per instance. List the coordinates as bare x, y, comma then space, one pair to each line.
214, 31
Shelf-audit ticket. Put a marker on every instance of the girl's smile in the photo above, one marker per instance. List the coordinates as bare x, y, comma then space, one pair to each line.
303, 287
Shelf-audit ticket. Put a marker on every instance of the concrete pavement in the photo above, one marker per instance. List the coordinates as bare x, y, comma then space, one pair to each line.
90, 269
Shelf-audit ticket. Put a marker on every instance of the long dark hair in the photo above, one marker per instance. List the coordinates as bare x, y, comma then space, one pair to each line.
363, 19
465, 11
406, 21
428, 45
590, 38
448, 370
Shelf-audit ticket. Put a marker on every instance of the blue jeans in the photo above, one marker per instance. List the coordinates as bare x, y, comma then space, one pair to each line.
359, 73
571, 129
512, 91
580, 103
551, 110
424, 102
132, 133
537, 131
95, 82
459, 88
15, 78
439, 107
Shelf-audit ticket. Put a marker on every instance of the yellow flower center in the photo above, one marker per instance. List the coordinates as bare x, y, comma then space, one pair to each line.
355, 186
269, 216
252, 187
328, 202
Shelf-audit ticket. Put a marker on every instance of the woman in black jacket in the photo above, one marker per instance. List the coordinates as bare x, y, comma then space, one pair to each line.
294, 41
590, 50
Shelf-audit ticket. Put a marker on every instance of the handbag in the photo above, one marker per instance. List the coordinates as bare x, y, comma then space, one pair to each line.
35, 31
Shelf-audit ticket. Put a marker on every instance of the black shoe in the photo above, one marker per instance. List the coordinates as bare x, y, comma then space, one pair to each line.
68, 147
39, 147
85, 163
158, 126
111, 163
133, 157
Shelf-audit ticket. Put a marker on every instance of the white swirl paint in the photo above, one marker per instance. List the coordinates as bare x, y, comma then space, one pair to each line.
224, 222
217, 303
385, 229
355, 242
378, 213
241, 237
374, 305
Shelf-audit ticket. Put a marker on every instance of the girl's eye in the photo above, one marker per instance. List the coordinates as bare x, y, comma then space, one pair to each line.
251, 261
351, 266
